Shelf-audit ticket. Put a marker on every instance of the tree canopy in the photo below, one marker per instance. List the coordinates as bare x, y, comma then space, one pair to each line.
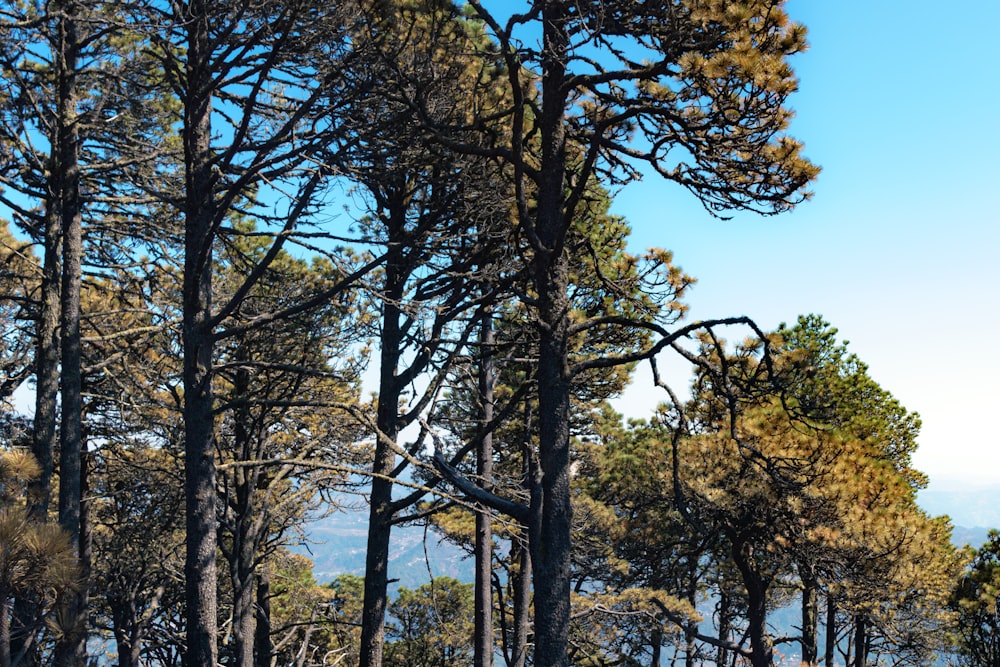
224, 223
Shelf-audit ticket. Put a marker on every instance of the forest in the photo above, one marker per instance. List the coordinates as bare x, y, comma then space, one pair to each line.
265, 261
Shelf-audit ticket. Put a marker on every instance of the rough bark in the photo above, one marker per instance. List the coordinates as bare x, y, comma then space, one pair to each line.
71, 646
199, 428
550, 539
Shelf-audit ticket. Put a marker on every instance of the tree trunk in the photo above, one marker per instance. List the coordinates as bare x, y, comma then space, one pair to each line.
263, 649
761, 650
387, 422
691, 629
810, 616
70, 649
199, 427
483, 638
860, 641
522, 605
243, 617
831, 629
244, 534
725, 626
656, 646
551, 512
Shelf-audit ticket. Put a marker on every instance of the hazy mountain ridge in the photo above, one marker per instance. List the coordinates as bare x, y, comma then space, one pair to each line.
337, 542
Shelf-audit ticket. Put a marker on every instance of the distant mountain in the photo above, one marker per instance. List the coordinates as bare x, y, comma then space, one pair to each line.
973, 509
337, 543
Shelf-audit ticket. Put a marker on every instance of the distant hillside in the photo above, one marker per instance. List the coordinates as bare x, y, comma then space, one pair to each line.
337, 545
337, 542
973, 509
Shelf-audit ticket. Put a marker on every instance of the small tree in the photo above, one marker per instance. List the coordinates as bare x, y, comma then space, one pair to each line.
36, 559
431, 626
977, 633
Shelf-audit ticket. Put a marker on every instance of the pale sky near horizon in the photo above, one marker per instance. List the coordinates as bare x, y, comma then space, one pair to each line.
899, 102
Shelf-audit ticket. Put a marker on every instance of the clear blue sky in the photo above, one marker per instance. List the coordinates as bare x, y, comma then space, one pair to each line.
899, 102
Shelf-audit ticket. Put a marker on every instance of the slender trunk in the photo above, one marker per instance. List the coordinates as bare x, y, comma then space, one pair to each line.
550, 537
199, 426
483, 644
831, 629
244, 481
263, 649
725, 625
690, 646
860, 641
387, 422
522, 606
810, 616
72, 644
43, 442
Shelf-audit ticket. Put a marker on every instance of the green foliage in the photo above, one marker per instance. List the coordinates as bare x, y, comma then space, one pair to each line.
431, 626
975, 598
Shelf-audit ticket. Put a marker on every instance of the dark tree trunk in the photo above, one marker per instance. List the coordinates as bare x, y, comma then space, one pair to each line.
831, 629
70, 649
263, 649
656, 646
522, 606
761, 650
860, 641
43, 442
810, 617
387, 421
483, 642
199, 427
551, 513
243, 524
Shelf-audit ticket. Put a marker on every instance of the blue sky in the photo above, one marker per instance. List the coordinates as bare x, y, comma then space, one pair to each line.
899, 102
